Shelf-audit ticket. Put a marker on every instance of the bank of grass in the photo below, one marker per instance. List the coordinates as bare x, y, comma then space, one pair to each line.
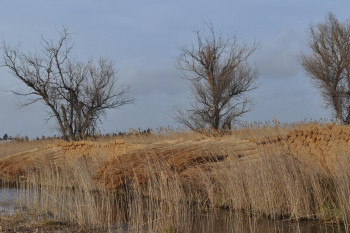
151, 192
25, 221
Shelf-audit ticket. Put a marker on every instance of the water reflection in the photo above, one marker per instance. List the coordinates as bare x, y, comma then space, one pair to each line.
8, 197
221, 221
225, 221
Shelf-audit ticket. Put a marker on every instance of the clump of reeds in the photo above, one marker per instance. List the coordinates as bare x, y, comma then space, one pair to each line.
161, 186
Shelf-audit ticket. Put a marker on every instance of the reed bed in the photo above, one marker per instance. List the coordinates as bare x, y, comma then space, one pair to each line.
161, 183
16, 147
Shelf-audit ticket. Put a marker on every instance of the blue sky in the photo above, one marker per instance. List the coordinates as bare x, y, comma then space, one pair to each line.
144, 37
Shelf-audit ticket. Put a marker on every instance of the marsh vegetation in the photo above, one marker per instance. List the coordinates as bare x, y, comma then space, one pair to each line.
166, 181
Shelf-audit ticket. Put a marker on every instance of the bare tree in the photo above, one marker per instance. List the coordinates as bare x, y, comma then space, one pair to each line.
329, 64
77, 94
221, 77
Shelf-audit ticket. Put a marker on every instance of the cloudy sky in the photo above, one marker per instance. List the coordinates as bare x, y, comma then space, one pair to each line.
144, 37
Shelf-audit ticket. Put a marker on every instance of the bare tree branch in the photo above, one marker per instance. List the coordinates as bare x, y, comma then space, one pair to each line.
77, 94
329, 64
221, 77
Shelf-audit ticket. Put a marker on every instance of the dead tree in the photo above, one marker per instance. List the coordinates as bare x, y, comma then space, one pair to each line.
221, 78
77, 94
329, 65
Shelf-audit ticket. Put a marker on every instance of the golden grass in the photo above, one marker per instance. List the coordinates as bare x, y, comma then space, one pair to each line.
182, 158
152, 181
19, 147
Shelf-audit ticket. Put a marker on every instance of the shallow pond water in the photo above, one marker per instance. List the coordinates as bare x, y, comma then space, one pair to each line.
8, 198
222, 221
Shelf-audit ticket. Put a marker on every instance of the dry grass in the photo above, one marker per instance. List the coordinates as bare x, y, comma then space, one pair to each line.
156, 183
178, 157
19, 147
30, 222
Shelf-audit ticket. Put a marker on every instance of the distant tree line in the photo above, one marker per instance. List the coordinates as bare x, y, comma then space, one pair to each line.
6, 137
133, 132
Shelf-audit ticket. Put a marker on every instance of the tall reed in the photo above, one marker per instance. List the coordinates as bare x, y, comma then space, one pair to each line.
276, 183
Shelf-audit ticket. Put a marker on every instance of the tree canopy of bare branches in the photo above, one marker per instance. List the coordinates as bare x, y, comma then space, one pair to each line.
329, 64
221, 77
77, 94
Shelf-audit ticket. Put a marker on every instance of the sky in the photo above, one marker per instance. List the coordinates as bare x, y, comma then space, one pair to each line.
144, 38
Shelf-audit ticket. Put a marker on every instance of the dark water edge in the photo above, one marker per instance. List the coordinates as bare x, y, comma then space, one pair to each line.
225, 221
220, 221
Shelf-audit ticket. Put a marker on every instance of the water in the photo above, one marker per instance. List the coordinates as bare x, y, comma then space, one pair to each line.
8, 200
222, 221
